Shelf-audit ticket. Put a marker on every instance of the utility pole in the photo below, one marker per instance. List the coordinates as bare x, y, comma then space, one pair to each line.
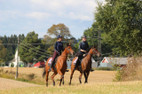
17, 60
99, 46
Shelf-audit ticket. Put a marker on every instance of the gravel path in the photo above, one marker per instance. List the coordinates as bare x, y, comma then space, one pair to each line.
10, 84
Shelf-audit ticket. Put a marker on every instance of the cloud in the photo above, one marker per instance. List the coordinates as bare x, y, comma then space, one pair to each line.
73, 9
38, 15
8, 14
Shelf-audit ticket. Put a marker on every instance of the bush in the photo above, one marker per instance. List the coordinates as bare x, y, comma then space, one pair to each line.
132, 71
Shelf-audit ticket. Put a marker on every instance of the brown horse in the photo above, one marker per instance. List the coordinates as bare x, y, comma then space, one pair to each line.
85, 65
60, 66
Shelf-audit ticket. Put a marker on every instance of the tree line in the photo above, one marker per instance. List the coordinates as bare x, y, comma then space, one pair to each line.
8, 46
31, 47
118, 21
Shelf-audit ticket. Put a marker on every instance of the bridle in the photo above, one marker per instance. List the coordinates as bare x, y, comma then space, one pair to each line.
94, 51
69, 50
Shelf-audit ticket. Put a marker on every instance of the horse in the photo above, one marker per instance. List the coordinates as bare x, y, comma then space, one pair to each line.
85, 65
60, 67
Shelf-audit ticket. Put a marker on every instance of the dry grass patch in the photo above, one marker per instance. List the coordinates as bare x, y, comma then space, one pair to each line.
133, 70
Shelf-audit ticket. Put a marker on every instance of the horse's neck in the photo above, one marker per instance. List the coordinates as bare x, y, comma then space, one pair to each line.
64, 55
89, 55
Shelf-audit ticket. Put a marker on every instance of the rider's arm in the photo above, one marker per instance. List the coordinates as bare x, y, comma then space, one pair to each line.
81, 49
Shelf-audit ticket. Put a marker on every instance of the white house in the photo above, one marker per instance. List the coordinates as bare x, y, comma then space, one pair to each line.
94, 63
14, 61
110, 61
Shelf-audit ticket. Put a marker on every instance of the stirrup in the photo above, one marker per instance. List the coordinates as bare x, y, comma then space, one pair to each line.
79, 67
92, 70
67, 70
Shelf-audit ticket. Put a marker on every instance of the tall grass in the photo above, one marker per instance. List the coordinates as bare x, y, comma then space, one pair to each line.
132, 71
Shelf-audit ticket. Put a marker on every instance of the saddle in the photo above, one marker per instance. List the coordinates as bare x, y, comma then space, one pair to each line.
50, 61
75, 61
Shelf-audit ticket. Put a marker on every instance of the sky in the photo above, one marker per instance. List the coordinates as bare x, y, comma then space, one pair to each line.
23, 16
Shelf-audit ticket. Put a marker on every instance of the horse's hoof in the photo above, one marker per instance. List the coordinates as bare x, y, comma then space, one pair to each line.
53, 83
69, 83
63, 83
46, 85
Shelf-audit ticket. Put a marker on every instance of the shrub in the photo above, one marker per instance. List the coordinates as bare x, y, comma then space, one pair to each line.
132, 71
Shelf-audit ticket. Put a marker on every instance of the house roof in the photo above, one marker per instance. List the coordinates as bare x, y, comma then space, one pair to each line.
115, 60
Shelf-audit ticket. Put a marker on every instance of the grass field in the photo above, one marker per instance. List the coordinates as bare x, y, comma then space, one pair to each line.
100, 82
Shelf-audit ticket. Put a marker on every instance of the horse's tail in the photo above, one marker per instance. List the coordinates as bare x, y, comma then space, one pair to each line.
44, 72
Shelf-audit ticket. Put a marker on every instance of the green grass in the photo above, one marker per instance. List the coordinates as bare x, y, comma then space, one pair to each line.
91, 88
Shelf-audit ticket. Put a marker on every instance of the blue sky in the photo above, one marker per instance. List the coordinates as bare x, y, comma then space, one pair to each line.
23, 16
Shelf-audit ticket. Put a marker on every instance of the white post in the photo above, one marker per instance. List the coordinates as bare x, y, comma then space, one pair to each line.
17, 60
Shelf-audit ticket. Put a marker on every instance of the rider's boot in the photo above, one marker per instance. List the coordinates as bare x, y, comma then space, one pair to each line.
49, 68
80, 65
53, 65
76, 65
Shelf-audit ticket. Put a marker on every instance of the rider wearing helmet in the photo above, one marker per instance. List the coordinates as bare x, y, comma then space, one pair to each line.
83, 49
58, 48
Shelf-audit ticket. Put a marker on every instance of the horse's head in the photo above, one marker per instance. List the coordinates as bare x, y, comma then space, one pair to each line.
93, 50
69, 49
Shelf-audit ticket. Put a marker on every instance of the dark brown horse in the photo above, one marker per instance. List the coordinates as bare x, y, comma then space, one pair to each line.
60, 66
85, 65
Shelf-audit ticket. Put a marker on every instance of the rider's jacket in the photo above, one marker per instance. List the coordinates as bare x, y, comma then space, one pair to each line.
59, 47
84, 46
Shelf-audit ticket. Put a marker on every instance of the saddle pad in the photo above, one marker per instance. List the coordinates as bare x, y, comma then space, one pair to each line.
74, 62
50, 61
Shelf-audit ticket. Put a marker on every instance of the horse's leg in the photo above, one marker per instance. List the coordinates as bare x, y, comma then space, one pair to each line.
52, 77
80, 77
63, 81
47, 74
71, 76
62, 77
85, 75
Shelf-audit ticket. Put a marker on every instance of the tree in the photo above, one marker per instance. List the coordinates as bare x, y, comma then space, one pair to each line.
53, 32
31, 49
59, 29
3, 51
92, 38
121, 23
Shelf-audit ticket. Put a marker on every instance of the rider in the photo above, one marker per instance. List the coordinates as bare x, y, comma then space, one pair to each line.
58, 48
84, 48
